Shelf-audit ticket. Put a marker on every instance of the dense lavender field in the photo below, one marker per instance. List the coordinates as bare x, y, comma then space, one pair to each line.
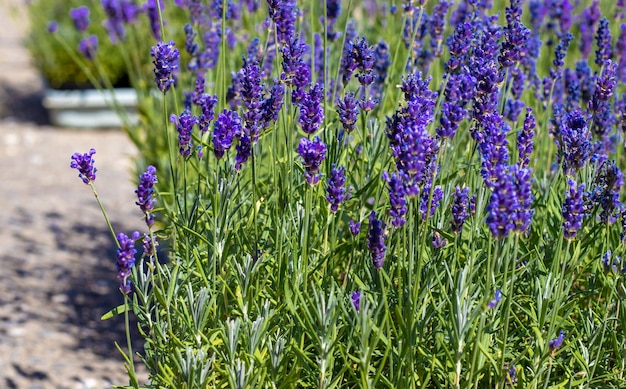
372, 194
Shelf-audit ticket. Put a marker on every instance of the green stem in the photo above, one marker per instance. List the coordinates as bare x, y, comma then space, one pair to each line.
106, 217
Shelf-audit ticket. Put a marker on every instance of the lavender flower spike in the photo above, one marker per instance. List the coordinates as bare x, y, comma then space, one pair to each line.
460, 209
227, 126
376, 241
335, 190
184, 124
355, 297
84, 163
556, 343
145, 193
573, 210
312, 153
125, 259
166, 58
312, 110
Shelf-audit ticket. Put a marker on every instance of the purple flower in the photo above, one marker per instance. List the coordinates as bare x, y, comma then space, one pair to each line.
355, 227
556, 343
460, 209
515, 36
610, 266
413, 148
355, 297
149, 245
425, 199
296, 73
129, 11
244, 150
125, 259
84, 163
145, 193
191, 47
184, 125
603, 40
496, 299
348, 111
561, 51
573, 209
590, 18
312, 153
272, 105
335, 190
115, 22
53, 26
606, 192
152, 9
439, 241
358, 56
207, 58
251, 92
227, 126
503, 204
525, 139
493, 147
312, 109
437, 24
376, 241
576, 139
458, 45
88, 47
80, 17
207, 105
605, 85
283, 13
523, 213
166, 57
397, 198
382, 62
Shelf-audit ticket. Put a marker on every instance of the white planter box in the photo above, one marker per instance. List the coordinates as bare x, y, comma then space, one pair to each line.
90, 108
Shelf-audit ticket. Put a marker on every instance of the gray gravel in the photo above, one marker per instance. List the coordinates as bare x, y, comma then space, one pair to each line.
57, 273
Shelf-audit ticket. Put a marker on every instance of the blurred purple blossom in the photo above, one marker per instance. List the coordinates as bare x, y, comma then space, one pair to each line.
88, 47
80, 17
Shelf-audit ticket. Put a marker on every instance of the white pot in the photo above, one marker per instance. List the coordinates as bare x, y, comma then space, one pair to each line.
90, 108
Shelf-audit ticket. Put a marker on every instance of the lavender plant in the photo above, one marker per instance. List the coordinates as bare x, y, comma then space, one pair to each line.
379, 216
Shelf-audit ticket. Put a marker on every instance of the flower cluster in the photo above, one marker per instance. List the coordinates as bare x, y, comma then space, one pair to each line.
125, 259
84, 163
145, 193
312, 153
166, 57
335, 188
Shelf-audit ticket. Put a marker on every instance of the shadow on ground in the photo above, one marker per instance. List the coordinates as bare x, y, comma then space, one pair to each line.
93, 289
22, 105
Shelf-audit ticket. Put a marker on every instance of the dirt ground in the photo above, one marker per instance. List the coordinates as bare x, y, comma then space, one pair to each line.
57, 274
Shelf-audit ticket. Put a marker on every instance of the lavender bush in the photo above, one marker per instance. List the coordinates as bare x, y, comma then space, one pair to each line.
369, 207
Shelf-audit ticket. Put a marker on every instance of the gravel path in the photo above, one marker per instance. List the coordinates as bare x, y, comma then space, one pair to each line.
57, 273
